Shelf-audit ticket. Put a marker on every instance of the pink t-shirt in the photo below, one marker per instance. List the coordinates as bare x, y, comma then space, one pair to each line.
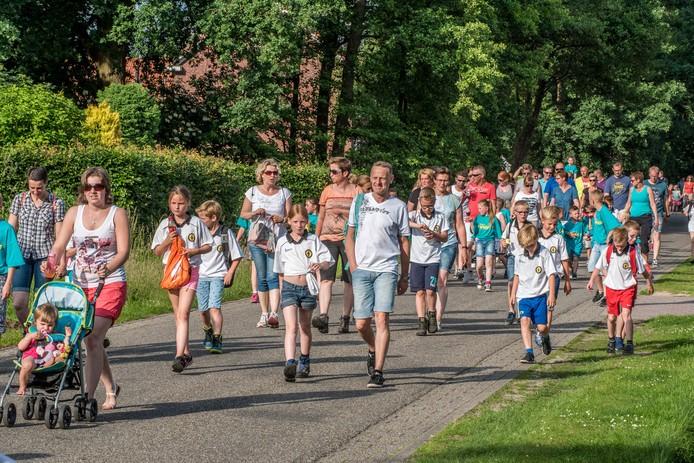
477, 193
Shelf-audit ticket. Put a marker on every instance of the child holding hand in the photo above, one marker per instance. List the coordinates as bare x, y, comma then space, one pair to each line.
198, 241
298, 256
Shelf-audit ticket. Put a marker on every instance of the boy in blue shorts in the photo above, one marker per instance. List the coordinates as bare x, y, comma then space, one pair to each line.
574, 233
534, 289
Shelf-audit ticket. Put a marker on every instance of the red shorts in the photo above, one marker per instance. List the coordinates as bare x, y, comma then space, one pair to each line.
620, 298
110, 301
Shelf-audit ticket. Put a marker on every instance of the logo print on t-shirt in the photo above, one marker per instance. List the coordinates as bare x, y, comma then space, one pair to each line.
220, 248
437, 228
538, 269
191, 237
625, 265
308, 253
553, 249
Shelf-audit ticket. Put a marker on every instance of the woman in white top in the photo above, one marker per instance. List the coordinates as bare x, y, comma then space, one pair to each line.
533, 198
100, 233
267, 201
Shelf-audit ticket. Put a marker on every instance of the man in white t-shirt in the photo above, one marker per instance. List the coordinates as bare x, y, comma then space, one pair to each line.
378, 234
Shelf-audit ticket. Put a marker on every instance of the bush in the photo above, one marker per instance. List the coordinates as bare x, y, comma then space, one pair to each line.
141, 177
102, 125
33, 113
139, 112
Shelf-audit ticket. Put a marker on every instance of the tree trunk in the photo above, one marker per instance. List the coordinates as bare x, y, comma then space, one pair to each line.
348, 74
294, 120
521, 145
327, 65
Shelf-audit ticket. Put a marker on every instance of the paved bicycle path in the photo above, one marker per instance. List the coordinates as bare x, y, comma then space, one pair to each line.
237, 406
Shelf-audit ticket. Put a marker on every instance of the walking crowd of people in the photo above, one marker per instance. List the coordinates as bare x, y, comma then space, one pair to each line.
536, 225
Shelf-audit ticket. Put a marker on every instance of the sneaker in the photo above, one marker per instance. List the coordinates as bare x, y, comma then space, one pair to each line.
217, 345
538, 339
290, 371
262, 323
619, 348
510, 317
376, 380
529, 357
321, 323
610, 347
574, 276
628, 348
207, 342
460, 275
597, 296
654, 264
480, 284
431, 321
546, 345
255, 299
187, 359
181, 362
273, 320
423, 327
603, 301
488, 286
370, 363
304, 367
467, 277
344, 324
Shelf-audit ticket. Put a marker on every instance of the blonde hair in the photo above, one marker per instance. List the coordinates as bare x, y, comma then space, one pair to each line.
47, 312
362, 180
632, 225
528, 236
181, 191
210, 208
262, 165
487, 204
427, 193
105, 180
425, 172
620, 235
597, 196
550, 213
298, 209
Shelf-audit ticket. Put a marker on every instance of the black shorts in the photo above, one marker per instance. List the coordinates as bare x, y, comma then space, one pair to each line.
336, 248
423, 277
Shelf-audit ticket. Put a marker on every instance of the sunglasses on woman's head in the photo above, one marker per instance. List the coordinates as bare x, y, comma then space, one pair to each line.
94, 187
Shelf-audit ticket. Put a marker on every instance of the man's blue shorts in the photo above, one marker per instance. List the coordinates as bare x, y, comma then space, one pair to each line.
534, 308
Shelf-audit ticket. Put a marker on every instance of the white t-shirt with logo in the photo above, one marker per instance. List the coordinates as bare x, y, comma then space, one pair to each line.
293, 258
618, 274
533, 273
378, 238
424, 251
273, 205
556, 245
193, 232
214, 263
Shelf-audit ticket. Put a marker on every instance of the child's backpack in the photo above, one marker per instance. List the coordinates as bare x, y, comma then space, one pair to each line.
632, 258
223, 232
177, 270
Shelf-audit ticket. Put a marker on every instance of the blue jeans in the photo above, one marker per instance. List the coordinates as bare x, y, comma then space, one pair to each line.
264, 263
595, 254
24, 274
209, 293
448, 254
484, 248
373, 291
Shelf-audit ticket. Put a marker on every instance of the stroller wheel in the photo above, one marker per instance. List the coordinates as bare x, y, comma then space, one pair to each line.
51, 418
41, 409
79, 409
64, 417
9, 415
29, 407
92, 410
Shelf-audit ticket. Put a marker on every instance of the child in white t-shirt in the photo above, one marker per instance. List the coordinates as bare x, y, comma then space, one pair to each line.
216, 273
429, 229
298, 256
198, 241
534, 289
513, 249
619, 265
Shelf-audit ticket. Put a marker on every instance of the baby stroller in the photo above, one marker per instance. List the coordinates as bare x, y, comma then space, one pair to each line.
46, 384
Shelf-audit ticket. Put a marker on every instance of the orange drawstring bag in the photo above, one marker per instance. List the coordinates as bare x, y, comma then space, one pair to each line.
177, 269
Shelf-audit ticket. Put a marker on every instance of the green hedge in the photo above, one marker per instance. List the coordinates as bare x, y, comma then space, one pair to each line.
141, 177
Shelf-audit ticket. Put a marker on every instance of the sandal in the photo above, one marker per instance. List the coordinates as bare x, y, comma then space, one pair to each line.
113, 394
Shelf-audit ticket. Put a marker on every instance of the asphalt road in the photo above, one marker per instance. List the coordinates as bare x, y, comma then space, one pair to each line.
237, 406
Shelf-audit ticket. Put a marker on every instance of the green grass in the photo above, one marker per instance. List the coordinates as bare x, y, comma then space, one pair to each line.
583, 406
679, 281
145, 297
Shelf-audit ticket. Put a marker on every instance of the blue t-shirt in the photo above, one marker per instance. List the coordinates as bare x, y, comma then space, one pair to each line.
660, 192
552, 184
602, 224
245, 224
564, 199
10, 252
640, 202
571, 169
312, 222
573, 234
618, 189
484, 228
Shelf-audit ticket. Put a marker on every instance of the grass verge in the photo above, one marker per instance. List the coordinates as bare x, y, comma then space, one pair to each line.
679, 281
145, 297
584, 405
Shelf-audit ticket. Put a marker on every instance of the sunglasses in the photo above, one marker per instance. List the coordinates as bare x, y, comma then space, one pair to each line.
593, 179
271, 173
95, 187
335, 172
426, 208
475, 175
547, 172
458, 180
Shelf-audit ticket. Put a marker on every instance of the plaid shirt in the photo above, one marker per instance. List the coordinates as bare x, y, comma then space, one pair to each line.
37, 224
